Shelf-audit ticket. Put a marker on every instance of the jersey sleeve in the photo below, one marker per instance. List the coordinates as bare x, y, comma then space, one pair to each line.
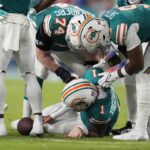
127, 36
132, 39
121, 33
92, 75
43, 36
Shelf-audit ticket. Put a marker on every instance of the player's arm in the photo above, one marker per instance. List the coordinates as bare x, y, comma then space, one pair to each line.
43, 44
134, 53
130, 39
57, 113
82, 128
43, 4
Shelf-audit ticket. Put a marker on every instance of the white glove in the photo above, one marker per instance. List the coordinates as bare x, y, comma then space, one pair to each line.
107, 78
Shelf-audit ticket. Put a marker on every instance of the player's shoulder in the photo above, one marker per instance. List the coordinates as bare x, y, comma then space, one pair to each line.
120, 33
91, 74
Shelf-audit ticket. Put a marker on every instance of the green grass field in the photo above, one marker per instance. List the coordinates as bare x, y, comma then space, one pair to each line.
51, 94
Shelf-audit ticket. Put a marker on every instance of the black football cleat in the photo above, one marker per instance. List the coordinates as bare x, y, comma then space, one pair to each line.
122, 130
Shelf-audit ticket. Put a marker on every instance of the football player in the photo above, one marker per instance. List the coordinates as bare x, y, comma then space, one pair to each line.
98, 107
16, 40
130, 81
55, 45
125, 28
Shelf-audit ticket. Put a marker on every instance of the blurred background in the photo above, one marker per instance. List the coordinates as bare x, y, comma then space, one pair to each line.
98, 7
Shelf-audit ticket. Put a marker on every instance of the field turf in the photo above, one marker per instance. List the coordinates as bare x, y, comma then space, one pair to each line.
51, 94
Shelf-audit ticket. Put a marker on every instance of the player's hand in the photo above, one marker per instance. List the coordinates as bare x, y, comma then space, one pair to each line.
75, 133
47, 119
107, 78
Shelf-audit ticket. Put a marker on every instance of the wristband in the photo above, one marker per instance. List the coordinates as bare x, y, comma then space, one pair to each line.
90, 63
64, 75
122, 72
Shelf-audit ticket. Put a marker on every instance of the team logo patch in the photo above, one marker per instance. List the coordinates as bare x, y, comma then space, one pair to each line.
74, 29
92, 36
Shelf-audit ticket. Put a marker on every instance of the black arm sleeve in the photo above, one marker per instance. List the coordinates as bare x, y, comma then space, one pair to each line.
123, 50
43, 41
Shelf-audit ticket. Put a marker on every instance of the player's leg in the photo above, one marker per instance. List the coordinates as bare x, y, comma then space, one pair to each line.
5, 57
143, 103
131, 98
131, 101
25, 62
4, 60
41, 75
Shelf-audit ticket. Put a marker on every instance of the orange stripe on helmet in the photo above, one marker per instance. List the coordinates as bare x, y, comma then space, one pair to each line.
74, 88
88, 18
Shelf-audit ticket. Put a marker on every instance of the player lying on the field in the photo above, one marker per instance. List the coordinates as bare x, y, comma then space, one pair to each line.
86, 109
125, 28
16, 40
53, 49
98, 107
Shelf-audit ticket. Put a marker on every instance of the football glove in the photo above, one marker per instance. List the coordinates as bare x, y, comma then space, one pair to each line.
107, 78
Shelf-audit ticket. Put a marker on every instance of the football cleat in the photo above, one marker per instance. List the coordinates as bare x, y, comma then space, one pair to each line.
125, 129
14, 124
37, 129
134, 135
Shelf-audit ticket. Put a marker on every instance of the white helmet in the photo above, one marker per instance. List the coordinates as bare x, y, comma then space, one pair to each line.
132, 2
73, 30
95, 35
79, 94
